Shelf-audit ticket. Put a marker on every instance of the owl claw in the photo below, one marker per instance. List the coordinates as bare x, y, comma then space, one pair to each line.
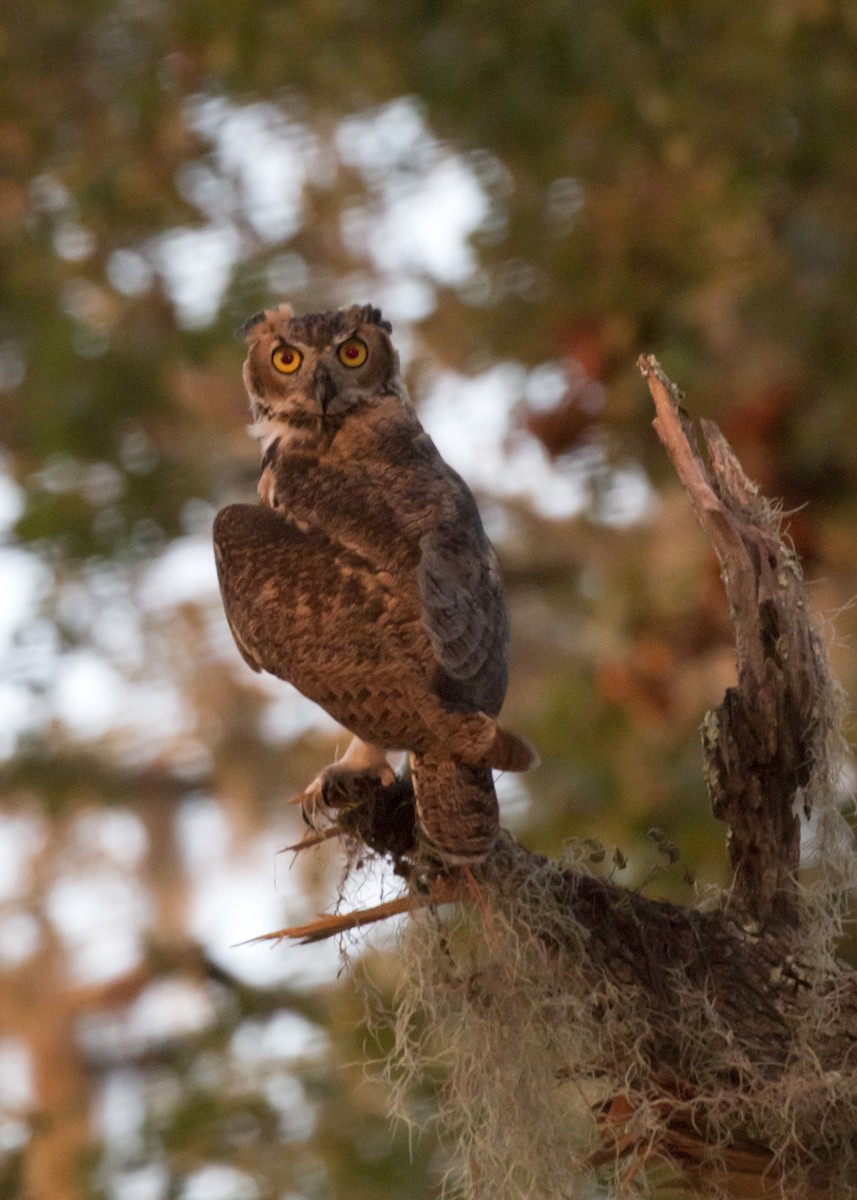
267, 486
337, 786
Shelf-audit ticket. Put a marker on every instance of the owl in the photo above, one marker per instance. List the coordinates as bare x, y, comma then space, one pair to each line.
364, 576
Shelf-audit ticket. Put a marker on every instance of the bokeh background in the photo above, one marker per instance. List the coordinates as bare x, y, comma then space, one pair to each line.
535, 194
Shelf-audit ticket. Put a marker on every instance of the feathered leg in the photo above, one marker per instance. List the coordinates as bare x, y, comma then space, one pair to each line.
456, 807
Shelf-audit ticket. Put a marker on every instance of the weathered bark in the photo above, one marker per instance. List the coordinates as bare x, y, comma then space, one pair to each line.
768, 743
756, 984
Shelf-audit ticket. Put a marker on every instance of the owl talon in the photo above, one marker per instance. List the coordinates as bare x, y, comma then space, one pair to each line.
338, 786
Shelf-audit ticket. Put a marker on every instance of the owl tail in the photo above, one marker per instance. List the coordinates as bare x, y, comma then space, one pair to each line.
457, 809
510, 752
477, 739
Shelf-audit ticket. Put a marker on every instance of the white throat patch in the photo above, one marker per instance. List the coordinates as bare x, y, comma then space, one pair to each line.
266, 430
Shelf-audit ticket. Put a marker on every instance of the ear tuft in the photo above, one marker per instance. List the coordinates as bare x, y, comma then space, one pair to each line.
243, 330
369, 315
283, 311
374, 317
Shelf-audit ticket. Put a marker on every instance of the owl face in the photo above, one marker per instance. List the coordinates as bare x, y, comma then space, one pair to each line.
306, 375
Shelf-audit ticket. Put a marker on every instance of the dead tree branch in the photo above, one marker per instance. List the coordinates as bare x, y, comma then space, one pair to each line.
767, 746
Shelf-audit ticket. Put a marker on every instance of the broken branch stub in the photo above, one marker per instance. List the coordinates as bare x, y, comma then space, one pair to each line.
767, 744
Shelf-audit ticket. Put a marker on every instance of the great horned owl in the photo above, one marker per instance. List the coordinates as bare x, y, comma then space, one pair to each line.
365, 577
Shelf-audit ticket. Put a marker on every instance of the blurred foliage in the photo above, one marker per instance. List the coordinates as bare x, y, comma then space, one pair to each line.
665, 177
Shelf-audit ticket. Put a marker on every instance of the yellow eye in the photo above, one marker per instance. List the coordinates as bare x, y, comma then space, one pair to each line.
286, 359
353, 352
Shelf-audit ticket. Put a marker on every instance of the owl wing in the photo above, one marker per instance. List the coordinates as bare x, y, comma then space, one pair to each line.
463, 607
242, 552
231, 583
293, 598
406, 511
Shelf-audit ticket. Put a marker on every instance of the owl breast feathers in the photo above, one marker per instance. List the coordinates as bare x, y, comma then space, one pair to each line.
364, 577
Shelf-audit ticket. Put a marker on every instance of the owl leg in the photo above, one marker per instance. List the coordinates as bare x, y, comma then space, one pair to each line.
456, 808
334, 785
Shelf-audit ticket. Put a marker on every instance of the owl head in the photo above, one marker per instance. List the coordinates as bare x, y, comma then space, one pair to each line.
305, 375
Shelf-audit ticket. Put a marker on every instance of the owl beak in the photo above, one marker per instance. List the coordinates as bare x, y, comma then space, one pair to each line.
325, 389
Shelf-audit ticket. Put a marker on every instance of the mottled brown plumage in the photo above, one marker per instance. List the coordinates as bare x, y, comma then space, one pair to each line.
365, 578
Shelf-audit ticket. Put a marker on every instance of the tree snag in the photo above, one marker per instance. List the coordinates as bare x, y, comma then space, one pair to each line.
768, 746
587, 1032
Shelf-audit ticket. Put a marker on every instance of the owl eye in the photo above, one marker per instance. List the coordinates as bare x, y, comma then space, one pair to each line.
286, 359
353, 352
